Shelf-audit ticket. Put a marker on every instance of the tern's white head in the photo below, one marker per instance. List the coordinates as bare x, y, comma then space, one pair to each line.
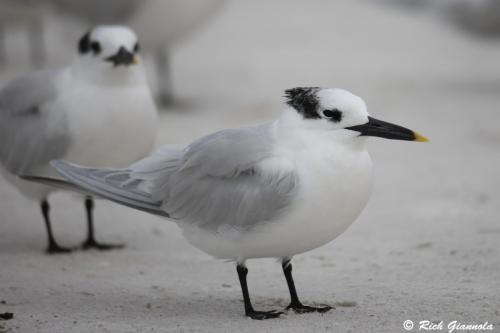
109, 50
341, 111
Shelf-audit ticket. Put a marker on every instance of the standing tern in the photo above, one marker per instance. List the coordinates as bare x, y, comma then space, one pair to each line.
272, 190
81, 113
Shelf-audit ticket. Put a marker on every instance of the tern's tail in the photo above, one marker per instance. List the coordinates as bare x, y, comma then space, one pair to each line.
111, 184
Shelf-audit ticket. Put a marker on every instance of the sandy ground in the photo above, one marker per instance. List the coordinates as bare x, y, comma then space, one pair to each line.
425, 248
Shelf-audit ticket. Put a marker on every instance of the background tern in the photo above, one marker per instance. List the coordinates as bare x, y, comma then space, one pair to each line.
251, 192
81, 113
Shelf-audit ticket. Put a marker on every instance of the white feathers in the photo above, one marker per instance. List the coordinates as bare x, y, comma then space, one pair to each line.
352, 107
81, 113
112, 37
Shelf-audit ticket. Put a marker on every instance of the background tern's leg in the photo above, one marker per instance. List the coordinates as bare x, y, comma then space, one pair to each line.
3, 51
53, 247
37, 44
91, 242
249, 311
164, 77
295, 303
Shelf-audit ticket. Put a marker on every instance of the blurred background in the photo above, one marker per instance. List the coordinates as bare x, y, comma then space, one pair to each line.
425, 248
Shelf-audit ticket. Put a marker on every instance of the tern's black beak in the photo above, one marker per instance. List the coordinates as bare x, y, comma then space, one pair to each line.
123, 57
375, 127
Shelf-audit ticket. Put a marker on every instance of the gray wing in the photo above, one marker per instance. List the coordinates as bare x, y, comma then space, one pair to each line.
31, 133
53, 182
229, 179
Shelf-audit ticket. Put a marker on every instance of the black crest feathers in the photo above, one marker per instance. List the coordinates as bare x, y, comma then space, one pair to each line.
304, 100
84, 43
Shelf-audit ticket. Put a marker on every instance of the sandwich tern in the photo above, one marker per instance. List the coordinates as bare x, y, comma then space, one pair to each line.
271, 190
80, 113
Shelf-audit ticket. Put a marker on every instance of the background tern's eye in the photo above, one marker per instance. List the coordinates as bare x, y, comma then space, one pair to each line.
95, 47
334, 115
137, 47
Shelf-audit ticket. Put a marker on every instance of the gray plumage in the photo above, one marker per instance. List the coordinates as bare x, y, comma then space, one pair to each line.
228, 179
31, 132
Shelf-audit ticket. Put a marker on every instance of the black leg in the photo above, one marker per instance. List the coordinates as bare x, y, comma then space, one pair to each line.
53, 247
91, 242
249, 311
295, 303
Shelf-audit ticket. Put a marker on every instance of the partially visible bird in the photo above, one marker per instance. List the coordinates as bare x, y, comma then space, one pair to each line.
272, 190
160, 25
83, 113
27, 15
479, 18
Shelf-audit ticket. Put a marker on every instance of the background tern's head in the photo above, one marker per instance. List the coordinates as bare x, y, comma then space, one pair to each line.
338, 109
109, 47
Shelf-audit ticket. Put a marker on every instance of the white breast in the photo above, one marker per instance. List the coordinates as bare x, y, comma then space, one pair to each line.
333, 190
334, 186
109, 126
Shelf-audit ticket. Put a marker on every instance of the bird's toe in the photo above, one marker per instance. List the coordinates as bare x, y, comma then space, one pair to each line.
261, 315
89, 245
56, 249
301, 308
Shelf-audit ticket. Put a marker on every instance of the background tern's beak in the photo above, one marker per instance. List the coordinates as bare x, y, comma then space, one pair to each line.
123, 57
375, 127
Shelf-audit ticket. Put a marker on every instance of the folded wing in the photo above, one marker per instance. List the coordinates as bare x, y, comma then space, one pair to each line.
31, 132
229, 179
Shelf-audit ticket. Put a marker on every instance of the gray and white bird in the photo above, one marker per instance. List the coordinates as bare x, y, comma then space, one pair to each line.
82, 113
272, 190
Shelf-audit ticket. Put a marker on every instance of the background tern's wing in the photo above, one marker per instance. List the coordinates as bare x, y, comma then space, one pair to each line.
31, 131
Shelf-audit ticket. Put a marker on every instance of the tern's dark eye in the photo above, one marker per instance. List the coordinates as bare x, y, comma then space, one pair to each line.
137, 47
95, 47
334, 115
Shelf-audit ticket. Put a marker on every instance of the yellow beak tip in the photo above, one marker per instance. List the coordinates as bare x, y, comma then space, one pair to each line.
420, 138
135, 61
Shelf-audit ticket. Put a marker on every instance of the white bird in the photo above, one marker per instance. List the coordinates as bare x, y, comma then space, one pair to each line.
82, 113
272, 190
